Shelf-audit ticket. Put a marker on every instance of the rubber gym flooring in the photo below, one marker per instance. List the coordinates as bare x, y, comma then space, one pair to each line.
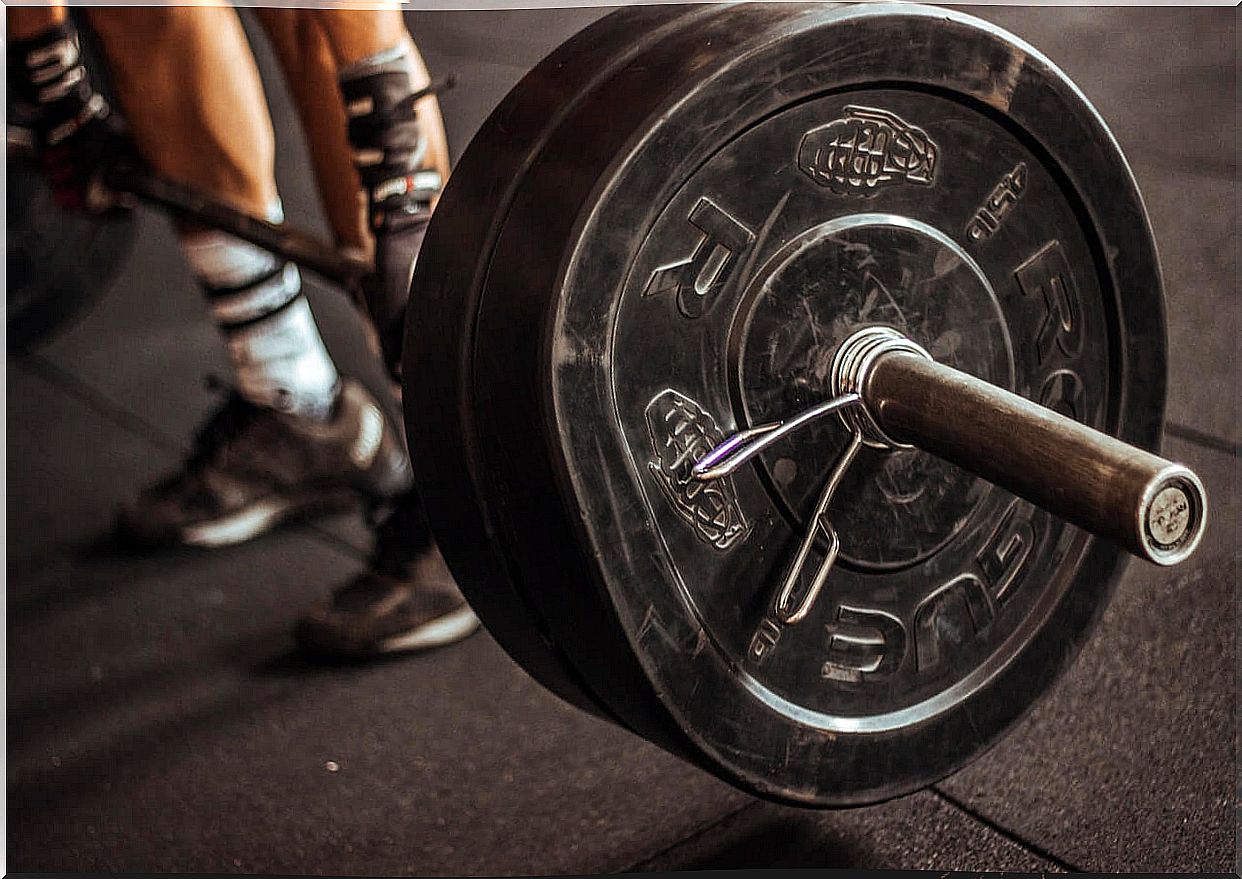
159, 718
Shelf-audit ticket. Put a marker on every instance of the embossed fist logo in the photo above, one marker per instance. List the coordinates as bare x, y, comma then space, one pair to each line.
681, 433
865, 150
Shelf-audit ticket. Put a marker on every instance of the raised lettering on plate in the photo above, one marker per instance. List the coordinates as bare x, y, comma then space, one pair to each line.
1004, 556
949, 618
1063, 392
863, 642
1047, 275
999, 203
764, 641
698, 278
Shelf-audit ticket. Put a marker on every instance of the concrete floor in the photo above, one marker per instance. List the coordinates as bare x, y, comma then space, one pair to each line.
160, 720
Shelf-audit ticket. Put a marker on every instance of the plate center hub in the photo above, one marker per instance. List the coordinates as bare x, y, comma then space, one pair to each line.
895, 507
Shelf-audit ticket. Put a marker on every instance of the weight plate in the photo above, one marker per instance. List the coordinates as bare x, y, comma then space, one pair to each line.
682, 255
439, 335
59, 262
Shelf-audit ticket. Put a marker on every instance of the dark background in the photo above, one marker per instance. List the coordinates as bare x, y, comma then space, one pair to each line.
159, 719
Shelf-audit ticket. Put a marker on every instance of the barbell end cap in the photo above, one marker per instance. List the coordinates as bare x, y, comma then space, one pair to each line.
1172, 516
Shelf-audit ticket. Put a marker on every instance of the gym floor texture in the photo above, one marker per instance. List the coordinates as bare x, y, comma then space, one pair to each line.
159, 718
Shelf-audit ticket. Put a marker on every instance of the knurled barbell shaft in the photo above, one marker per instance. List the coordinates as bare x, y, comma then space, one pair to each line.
1155, 508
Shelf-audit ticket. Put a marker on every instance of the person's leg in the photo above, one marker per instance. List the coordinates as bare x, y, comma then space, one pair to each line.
27, 22
310, 67
310, 74
398, 147
405, 600
358, 40
189, 88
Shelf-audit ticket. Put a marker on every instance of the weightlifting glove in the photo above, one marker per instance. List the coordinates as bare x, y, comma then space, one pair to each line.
388, 151
77, 135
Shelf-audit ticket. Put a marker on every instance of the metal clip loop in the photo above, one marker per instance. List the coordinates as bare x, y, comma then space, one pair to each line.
790, 615
735, 451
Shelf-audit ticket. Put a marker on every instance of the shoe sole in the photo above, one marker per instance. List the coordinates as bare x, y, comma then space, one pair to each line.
451, 627
261, 517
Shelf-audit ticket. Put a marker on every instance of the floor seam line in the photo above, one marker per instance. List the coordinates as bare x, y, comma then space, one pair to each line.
1003, 831
1199, 437
637, 866
120, 416
98, 402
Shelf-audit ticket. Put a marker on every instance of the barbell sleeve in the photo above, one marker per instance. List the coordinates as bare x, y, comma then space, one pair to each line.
1155, 508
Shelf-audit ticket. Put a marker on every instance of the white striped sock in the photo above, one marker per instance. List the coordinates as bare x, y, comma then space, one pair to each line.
278, 357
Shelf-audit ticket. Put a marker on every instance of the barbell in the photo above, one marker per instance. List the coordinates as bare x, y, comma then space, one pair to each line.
785, 382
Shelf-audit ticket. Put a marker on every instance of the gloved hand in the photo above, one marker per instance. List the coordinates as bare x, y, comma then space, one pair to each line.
75, 131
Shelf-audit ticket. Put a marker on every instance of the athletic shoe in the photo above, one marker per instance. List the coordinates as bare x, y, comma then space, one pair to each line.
406, 600
253, 468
